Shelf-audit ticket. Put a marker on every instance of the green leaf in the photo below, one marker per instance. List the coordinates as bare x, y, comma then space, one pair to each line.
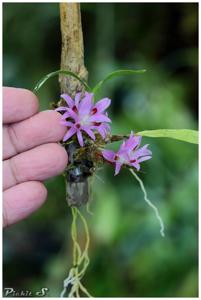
42, 81
116, 74
185, 135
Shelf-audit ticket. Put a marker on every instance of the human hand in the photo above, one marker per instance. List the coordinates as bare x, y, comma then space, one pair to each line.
31, 153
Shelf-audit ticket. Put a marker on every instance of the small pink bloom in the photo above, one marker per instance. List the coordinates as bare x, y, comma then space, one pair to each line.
82, 115
128, 154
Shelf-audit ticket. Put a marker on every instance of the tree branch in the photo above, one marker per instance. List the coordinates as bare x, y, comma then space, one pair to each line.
72, 52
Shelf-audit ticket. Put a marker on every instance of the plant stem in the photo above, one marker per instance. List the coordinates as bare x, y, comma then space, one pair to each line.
72, 59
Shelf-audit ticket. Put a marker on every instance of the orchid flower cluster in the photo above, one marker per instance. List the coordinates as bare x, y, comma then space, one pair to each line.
88, 126
81, 116
88, 120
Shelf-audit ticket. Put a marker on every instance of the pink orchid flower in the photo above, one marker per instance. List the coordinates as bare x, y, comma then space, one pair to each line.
128, 154
82, 115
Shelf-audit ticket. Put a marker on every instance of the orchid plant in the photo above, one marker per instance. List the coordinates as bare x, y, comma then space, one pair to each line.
88, 132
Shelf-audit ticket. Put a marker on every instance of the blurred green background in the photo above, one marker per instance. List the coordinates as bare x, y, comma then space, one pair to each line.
128, 256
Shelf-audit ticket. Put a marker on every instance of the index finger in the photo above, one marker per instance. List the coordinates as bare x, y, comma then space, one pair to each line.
18, 104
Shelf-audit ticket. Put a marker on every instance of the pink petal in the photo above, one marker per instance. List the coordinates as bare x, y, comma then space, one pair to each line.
100, 118
101, 130
109, 155
102, 104
85, 104
80, 138
72, 114
61, 108
133, 142
77, 99
124, 156
89, 132
142, 152
68, 100
124, 152
69, 133
123, 147
117, 168
136, 165
106, 126
66, 123
65, 116
144, 158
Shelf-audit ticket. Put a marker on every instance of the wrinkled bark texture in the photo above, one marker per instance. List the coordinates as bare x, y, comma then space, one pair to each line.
72, 59
72, 52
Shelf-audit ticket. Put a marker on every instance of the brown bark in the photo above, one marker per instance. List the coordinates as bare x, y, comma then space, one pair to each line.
72, 59
72, 52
